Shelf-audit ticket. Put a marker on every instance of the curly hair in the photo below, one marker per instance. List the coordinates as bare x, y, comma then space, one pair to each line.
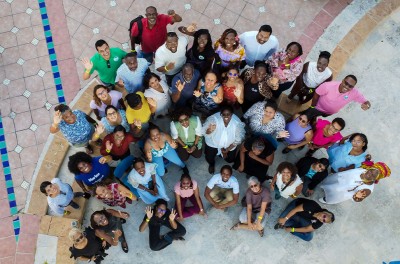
75, 159
180, 112
223, 36
93, 223
287, 165
96, 99
299, 47
147, 78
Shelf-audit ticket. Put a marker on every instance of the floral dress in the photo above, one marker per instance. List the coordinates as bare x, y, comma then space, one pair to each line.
117, 199
205, 103
229, 57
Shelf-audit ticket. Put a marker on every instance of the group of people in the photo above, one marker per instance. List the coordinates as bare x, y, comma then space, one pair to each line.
221, 98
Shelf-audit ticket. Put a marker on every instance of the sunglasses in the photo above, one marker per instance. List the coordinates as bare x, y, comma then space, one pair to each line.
161, 210
253, 186
302, 120
108, 64
232, 74
80, 238
324, 218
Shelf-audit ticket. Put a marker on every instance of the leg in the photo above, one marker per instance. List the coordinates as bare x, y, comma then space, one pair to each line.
296, 89
192, 210
182, 153
216, 194
161, 189
228, 196
197, 153
264, 220
301, 222
172, 156
230, 157
179, 232
123, 166
156, 243
289, 208
210, 154
160, 165
243, 216
306, 182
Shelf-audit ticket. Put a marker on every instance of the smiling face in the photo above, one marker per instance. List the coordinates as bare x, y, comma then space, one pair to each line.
226, 116
323, 217
333, 128
102, 94
187, 73
303, 120
260, 73
161, 210
293, 52
119, 137
358, 143
172, 44
69, 117
52, 189
230, 40
202, 41
269, 112
255, 187
233, 74
263, 37
140, 168
286, 174
319, 167
84, 167
225, 175
347, 84
79, 238
151, 15
100, 219
322, 63
154, 83
103, 192
185, 183
104, 51
210, 80
154, 135
132, 63
112, 115
184, 120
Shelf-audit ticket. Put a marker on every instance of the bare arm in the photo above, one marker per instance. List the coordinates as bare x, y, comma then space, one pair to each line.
104, 236
231, 203
315, 100
208, 197
179, 205
198, 198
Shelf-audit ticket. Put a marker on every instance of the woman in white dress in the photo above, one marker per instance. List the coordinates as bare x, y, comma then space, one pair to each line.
159, 91
286, 182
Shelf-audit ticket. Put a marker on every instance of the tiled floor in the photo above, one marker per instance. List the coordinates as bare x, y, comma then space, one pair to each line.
28, 84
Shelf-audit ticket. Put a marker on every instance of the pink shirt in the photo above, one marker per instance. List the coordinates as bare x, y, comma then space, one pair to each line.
319, 139
185, 193
331, 100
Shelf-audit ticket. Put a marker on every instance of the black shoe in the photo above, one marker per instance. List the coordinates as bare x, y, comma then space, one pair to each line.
278, 226
286, 150
180, 238
211, 169
123, 221
277, 196
185, 170
124, 247
74, 205
86, 195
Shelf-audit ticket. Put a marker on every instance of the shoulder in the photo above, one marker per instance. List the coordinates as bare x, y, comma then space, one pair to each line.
166, 19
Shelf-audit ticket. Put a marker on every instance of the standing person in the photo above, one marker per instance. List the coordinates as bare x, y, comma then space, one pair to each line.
154, 31
171, 56
302, 217
186, 190
103, 97
183, 86
159, 216
312, 172
209, 94
300, 132
130, 74
222, 189
229, 50
233, 88
259, 45
158, 90
106, 62
60, 195
138, 112
223, 132
330, 97
258, 207
311, 77
286, 182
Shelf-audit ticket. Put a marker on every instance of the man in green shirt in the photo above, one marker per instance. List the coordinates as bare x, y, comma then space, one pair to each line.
106, 62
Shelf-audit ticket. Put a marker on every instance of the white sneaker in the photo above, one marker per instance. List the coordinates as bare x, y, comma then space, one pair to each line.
322, 200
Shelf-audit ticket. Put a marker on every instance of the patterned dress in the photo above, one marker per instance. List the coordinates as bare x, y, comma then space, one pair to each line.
117, 199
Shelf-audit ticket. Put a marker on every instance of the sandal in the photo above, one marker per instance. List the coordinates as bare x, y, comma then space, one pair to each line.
235, 226
261, 232
185, 31
89, 149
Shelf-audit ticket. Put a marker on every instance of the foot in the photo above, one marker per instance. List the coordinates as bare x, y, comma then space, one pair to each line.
86, 195
261, 232
124, 247
322, 200
74, 205
180, 238
235, 226
89, 149
211, 169
286, 150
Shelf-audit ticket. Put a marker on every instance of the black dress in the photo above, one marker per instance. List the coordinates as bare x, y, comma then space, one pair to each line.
93, 248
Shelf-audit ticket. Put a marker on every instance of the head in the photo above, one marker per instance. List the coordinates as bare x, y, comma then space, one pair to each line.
112, 113
370, 175
261, 70
76, 236
229, 39
359, 141
67, 115
254, 184
134, 101
288, 171
258, 146
210, 80
100, 94
172, 42
103, 49
322, 164
226, 113
323, 61
101, 190
160, 208
131, 61
138, 165
233, 74
347, 84
294, 50
79, 163
202, 40
186, 182
270, 108
383, 168
182, 116
48, 188
226, 173
337, 125
151, 15
154, 132
187, 72
119, 133
151, 80
304, 119
325, 216
263, 34
99, 218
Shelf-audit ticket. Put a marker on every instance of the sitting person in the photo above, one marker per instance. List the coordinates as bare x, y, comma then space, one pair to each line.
183, 86
186, 190
107, 225
186, 131
209, 94
222, 189
130, 74
102, 97
300, 132
302, 217
223, 132
258, 207
286, 182
114, 194
312, 172
233, 88
138, 112
113, 118
88, 171
254, 158
158, 90
147, 182
160, 145
60, 195
86, 245
159, 216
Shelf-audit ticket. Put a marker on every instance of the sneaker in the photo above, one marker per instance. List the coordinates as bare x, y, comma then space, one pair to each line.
180, 238
322, 200
74, 205
124, 247
86, 195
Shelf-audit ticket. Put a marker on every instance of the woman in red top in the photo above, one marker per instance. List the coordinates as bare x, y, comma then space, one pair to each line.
233, 88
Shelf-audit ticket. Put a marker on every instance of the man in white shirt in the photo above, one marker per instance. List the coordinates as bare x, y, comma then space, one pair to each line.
259, 45
222, 189
171, 56
130, 74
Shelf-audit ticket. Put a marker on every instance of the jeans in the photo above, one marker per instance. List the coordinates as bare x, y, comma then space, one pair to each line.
306, 182
146, 55
170, 155
123, 166
158, 243
296, 221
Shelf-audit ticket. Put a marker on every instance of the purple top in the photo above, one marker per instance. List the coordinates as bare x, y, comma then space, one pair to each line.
296, 132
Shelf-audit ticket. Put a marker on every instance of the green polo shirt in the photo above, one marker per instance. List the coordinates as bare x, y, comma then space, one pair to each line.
107, 75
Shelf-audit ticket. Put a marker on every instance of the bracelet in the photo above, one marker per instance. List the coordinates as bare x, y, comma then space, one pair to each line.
96, 136
140, 127
87, 71
130, 196
185, 147
201, 210
165, 68
294, 196
292, 229
108, 150
260, 217
132, 50
147, 220
312, 107
286, 218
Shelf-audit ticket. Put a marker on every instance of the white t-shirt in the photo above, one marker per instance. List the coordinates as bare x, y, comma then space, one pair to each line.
313, 77
164, 56
163, 99
232, 183
197, 130
256, 51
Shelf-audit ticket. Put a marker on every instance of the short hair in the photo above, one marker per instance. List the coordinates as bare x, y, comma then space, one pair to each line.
259, 63
363, 137
339, 121
108, 107
93, 223
180, 111
224, 34
172, 34
352, 77
62, 108
151, 7
332, 215
73, 232
75, 159
187, 65
324, 161
43, 186
160, 202
137, 160
298, 46
226, 107
252, 179
119, 128
133, 99
324, 54
147, 78
272, 104
226, 167
96, 99
287, 165
265, 28
132, 54
258, 144
100, 43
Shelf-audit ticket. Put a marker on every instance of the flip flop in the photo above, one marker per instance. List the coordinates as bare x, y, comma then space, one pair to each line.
184, 31
261, 232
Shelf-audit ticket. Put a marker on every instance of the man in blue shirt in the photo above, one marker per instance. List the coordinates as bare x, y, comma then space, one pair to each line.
183, 86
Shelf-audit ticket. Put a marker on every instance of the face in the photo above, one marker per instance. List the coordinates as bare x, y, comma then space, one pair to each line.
140, 168
320, 167
303, 121
119, 136
255, 187
263, 37
184, 120
155, 135
358, 142
230, 40
104, 51
161, 210
210, 80
269, 112
187, 73
112, 115
256, 151
132, 63
324, 217
334, 128
100, 219
369, 175
84, 167
102, 94
153, 82
260, 73
322, 63
151, 15
78, 238
347, 84
51, 189
226, 116
233, 74
202, 41
69, 117
186, 183
172, 44
292, 52
286, 174
226, 175
103, 192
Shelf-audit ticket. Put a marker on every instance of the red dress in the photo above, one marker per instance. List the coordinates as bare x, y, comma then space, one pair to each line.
229, 96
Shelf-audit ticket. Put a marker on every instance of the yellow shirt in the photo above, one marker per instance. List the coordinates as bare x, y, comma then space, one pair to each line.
143, 114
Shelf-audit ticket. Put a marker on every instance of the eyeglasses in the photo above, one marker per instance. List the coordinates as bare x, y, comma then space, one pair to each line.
324, 218
112, 113
79, 239
232, 74
253, 186
183, 120
302, 120
103, 92
334, 128
108, 64
358, 142
161, 210
348, 84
